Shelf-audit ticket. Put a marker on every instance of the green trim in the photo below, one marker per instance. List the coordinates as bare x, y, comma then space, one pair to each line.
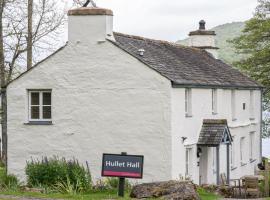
204, 86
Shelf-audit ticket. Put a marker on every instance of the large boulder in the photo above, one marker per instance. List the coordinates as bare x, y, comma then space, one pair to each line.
171, 190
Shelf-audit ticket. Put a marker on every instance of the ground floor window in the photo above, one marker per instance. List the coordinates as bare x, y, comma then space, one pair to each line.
40, 105
188, 162
242, 150
251, 146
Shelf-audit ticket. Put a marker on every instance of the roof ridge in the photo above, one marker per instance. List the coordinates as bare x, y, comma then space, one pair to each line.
156, 40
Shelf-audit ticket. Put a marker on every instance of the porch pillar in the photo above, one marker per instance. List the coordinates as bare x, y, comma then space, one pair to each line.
228, 163
218, 164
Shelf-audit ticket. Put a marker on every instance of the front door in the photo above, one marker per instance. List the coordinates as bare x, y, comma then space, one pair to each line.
203, 162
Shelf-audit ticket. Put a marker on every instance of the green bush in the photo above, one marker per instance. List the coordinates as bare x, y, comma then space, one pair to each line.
59, 174
8, 181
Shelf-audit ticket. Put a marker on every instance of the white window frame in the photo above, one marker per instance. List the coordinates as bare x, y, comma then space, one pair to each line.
251, 145
242, 151
214, 101
40, 105
188, 161
188, 102
233, 105
252, 105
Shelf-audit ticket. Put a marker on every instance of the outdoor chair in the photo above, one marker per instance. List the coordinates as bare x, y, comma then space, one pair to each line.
233, 184
251, 186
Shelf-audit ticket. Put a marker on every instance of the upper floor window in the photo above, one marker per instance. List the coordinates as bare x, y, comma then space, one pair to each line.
233, 106
214, 101
40, 106
188, 102
251, 105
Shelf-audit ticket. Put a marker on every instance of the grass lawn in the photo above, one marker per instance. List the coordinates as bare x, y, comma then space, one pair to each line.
208, 196
95, 196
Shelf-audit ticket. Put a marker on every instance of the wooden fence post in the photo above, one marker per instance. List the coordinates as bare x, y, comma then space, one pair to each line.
267, 171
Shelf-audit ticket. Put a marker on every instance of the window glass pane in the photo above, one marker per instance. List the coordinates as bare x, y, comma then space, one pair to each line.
34, 112
47, 114
34, 98
46, 98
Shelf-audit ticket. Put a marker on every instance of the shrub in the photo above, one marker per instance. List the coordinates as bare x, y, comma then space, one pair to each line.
58, 174
8, 181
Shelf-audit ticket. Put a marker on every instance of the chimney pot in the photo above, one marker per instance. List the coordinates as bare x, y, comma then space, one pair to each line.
202, 25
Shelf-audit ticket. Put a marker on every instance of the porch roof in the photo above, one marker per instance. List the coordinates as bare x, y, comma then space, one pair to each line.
214, 132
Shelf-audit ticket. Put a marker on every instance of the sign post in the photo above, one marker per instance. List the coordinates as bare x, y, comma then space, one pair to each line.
121, 183
122, 166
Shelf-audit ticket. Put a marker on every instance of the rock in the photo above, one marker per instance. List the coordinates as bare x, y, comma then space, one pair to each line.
171, 190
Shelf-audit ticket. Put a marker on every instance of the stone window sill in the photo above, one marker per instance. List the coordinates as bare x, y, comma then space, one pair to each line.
39, 123
243, 164
233, 168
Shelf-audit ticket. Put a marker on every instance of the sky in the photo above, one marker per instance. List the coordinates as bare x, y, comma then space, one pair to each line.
173, 19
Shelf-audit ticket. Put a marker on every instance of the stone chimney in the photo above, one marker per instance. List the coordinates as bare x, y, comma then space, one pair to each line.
90, 25
203, 39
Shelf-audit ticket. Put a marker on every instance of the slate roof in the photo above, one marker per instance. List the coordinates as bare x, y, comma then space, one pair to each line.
183, 65
212, 132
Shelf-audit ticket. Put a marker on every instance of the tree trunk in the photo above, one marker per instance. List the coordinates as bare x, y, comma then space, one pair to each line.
30, 35
3, 89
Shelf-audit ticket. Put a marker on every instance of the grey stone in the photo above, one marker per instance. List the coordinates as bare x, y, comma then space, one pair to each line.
171, 190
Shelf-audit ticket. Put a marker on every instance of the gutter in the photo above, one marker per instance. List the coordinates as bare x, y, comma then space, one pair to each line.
192, 85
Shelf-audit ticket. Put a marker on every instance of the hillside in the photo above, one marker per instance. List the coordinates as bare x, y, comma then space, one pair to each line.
224, 33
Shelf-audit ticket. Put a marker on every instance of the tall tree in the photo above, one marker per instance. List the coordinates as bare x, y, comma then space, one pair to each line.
46, 18
2, 64
30, 35
255, 43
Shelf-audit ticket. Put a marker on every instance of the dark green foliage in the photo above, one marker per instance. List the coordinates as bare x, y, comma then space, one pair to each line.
8, 181
255, 44
54, 171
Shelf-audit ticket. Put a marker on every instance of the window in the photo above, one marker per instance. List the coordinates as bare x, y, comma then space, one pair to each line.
242, 150
251, 105
40, 106
233, 105
214, 101
188, 161
188, 102
251, 145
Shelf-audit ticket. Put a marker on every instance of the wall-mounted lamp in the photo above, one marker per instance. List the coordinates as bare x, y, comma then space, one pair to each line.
199, 152
183, 139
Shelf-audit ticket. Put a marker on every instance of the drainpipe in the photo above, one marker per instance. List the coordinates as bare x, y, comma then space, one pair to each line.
261, 124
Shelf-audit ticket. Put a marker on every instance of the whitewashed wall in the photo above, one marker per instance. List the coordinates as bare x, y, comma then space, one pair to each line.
103, 101
202, 109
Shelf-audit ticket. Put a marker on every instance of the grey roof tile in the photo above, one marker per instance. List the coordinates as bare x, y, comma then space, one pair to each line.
212, 132
183, 65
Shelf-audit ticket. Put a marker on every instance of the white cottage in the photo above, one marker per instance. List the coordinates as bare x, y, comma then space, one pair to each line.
189, 114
